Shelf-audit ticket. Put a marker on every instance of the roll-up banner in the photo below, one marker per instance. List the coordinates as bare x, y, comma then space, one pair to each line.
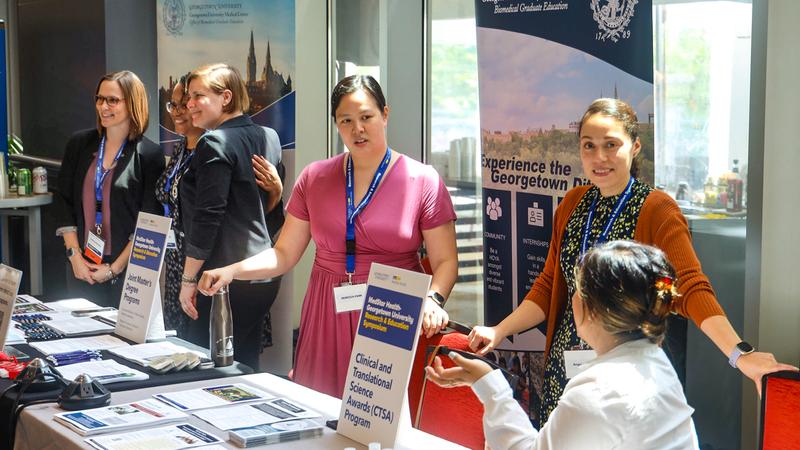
256, 37
540, 65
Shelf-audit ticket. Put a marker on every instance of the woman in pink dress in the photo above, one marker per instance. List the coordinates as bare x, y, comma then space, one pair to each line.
397, 204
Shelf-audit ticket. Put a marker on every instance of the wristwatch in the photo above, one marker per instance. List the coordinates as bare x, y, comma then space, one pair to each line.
742, 348
72, 251
438, 298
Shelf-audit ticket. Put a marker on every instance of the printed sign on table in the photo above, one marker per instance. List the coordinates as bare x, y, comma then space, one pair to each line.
374, 401
9, 286
140, 315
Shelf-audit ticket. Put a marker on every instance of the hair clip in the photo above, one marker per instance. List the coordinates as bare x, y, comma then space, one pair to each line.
665, 285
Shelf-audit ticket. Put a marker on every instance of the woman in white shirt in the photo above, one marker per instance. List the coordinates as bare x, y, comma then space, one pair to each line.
628, 396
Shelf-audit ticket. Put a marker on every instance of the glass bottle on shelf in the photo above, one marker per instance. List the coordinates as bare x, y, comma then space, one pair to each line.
735, 189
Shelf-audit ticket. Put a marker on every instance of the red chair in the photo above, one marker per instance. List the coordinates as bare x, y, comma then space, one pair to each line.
454, 414
780, 411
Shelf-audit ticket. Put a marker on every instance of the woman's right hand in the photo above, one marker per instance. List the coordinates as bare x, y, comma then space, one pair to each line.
482, 340
213, 280
80, 269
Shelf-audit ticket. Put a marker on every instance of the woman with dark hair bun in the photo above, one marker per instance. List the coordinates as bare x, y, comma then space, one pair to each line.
629, 396
395, 204
615, 205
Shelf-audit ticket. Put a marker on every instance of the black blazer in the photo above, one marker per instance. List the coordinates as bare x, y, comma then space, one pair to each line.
133, 185
221, 204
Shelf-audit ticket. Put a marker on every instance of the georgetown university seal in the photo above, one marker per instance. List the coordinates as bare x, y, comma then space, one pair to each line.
174, 16
612, 17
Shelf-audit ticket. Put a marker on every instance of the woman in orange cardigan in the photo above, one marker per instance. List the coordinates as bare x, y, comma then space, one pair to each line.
615, 206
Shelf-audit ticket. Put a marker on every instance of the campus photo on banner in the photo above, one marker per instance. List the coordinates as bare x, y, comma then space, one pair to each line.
540, 65
256, 37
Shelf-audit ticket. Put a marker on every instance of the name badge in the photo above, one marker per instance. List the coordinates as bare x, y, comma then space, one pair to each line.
94, 248
349, 297
171, 244
575, 361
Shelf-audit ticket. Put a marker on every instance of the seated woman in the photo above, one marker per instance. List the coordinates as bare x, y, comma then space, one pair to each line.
629, 396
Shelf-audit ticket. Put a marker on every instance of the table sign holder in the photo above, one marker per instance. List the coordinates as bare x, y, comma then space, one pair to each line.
374, 404
10, 279
141, 317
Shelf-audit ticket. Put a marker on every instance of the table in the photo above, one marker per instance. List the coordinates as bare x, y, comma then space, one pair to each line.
6, 402
37, 430
30, 208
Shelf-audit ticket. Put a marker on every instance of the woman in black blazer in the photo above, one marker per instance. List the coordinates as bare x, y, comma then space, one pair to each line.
97, 202
222, 205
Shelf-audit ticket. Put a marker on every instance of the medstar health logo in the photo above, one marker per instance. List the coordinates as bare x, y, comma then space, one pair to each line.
613, 18
174, 14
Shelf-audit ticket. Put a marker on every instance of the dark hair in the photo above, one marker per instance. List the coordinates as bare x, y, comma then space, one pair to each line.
629, 287
622, 112
354, 83
135, 101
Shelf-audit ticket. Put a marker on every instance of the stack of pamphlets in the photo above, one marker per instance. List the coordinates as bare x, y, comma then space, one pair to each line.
79, 326
143, 413
171, 437
162, 356
254, 414
102, 342
106, 371
213, 396
289, 430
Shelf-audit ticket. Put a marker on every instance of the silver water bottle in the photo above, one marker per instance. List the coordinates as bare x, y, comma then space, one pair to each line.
221, 329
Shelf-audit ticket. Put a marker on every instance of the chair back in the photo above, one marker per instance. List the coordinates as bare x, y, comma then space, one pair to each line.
780, 411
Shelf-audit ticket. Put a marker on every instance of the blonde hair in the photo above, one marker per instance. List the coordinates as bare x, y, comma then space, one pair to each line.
220, 77
135, 101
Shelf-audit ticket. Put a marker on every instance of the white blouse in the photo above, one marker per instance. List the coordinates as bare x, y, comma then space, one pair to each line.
628, 398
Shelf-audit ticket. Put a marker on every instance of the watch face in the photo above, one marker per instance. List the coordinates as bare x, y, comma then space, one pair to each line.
744, 347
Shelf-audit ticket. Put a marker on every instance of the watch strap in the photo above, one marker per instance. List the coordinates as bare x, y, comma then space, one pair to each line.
738, 352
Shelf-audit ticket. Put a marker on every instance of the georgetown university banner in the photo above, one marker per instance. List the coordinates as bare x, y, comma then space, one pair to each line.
254, 36
540, 64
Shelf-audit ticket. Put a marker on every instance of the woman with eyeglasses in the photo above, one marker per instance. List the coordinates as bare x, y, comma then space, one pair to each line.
167, 189
108, 175
629, 396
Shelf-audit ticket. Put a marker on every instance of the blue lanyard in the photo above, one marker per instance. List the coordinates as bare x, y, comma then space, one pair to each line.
99, 177
623, 199
179, 167
352, 210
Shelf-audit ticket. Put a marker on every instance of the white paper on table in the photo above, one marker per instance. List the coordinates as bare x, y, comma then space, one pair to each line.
254, 414
73, 304
75, 326
106, 371
212, 396
144, 353
119, 417
102, 342
14, 335
165, 438
24, 299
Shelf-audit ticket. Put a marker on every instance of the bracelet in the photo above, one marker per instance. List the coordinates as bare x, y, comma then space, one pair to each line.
111, 274
437, 298
188, 280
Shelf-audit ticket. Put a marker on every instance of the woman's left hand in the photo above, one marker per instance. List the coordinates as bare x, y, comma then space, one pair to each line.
434, 318
188, 299
101, 273
466, 372
757, 364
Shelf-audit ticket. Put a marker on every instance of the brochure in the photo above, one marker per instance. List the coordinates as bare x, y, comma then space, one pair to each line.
79, 326
24, 299
106, 371
242, 416
146, 412
162, 356
173, 437
102, 342
213, 396
289, 430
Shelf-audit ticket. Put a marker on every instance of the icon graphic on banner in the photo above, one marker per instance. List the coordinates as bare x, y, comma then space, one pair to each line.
536, 216
612, 18
493, 209
174, 16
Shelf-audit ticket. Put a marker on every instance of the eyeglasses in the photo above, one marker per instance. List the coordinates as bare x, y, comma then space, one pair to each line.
110, 101
176, 108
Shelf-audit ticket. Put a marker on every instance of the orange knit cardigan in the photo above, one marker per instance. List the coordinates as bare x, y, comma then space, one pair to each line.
660, 224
